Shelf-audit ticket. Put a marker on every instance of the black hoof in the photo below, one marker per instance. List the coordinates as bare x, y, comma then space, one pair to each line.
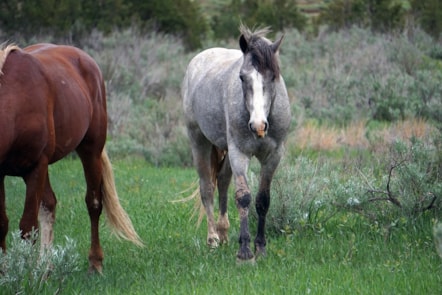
245, 254
260, 251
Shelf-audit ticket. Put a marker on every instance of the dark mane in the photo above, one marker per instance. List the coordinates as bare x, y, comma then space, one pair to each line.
261, 51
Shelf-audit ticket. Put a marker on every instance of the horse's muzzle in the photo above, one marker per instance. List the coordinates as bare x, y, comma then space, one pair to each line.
260, 129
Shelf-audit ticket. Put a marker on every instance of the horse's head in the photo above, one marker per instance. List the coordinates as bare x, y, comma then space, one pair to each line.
258, 74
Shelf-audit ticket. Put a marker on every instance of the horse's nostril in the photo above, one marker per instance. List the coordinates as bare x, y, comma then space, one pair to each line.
251, 127
266, 126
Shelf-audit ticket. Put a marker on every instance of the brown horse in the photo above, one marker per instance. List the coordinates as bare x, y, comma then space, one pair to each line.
53, 102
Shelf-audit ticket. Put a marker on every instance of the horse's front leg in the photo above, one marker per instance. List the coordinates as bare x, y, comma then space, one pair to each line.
263, 201
239, 163
4, 222
243, 199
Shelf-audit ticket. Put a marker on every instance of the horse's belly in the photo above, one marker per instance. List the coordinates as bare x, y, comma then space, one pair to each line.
212, 124
22, 153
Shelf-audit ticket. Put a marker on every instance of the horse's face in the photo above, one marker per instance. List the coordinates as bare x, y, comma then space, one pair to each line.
259, 91
258, 74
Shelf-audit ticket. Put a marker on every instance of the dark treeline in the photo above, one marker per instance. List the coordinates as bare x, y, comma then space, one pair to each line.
193, 20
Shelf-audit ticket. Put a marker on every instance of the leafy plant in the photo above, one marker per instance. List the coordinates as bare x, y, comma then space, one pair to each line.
309, 193
437, 231
24, 270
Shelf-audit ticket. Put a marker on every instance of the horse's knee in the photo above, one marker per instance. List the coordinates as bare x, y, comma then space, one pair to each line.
243, 199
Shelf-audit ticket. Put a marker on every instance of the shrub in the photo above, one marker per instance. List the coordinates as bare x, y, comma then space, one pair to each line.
438, 238
280, 15
379, 15
354, 75
402, 185
24, 270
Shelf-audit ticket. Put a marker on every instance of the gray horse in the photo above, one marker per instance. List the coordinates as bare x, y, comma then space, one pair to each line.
236, 106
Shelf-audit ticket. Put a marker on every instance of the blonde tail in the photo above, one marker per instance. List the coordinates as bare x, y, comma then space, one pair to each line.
198, 208
217, 158
117, 218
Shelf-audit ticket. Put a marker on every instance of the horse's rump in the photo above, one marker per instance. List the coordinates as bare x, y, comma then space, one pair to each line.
78, 95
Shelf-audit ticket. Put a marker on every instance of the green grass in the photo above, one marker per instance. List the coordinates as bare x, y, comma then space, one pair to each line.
345, 256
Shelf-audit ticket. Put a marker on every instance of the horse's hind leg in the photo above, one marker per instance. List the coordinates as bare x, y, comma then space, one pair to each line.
46, 216
4, 222
93, 173
202, 153
35, 188
223, 182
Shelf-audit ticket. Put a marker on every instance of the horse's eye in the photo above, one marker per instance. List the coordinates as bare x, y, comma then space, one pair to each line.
241, 77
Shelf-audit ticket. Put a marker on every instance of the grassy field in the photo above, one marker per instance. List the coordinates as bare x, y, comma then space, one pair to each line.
345, 256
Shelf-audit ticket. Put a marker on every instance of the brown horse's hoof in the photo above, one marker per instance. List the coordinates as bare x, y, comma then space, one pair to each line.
93, 269
95, 266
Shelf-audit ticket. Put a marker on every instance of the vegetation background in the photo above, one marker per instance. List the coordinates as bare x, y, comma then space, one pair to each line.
363, 159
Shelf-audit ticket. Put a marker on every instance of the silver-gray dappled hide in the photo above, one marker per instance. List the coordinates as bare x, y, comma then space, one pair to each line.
236, 106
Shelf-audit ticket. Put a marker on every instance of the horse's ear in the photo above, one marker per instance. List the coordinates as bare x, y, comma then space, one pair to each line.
243, 44
277, 44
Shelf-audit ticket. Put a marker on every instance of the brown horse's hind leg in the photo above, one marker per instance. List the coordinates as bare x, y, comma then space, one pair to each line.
35, 186
93, 173
46, 216
4, 222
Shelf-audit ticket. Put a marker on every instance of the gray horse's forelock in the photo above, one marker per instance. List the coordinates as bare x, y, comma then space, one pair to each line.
259, 47
260, 32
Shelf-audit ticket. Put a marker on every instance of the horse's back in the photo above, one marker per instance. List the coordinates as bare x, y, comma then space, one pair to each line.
211, 61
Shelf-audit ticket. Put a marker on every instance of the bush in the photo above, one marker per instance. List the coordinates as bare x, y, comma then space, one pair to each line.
280, 15
143, 77
355, 75
24, 270
403, 185
438, 238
